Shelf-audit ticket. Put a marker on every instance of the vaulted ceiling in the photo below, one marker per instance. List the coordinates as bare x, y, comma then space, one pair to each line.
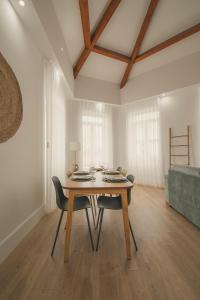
121, 27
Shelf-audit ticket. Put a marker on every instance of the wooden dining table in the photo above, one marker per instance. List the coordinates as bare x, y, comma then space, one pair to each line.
96, 187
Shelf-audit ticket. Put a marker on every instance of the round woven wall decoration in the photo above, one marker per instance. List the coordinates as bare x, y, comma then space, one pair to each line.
10, 101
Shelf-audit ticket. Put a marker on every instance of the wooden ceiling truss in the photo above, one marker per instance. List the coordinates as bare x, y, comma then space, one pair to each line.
90, 40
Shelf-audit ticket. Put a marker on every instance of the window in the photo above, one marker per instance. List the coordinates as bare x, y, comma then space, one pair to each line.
92, 141
96, 133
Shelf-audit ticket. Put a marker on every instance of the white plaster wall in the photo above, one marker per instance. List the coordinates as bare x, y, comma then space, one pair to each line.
21, 157
179, 109
50, 23
176, 75
96, 90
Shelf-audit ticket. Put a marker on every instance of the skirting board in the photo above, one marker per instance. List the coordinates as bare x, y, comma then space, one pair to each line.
8, 244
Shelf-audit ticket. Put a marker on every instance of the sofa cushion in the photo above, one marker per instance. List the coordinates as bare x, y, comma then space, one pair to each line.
187, 170
184, 194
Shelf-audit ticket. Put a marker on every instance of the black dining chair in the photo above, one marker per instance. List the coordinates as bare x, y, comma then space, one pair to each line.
81, 202
113, 203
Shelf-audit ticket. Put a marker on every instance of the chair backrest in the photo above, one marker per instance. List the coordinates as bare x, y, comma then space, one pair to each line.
60, 197
119, 169
131, 178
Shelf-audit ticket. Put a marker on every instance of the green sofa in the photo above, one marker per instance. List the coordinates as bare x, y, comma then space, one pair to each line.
184, 192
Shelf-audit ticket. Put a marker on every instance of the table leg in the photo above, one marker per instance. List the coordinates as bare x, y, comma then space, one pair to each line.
68, 226
126, 223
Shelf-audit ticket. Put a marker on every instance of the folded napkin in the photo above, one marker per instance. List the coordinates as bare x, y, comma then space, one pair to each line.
81, 173
82, 178
111, 172
113, 179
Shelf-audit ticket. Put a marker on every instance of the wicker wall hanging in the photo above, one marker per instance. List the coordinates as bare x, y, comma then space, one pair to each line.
10, 101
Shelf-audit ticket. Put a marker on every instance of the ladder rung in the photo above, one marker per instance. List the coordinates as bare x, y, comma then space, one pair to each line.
179, 154
179, 145
178, 136
179, 165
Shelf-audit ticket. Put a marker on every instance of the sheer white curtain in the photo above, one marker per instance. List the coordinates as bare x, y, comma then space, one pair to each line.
54, 131
96, 134
143, 142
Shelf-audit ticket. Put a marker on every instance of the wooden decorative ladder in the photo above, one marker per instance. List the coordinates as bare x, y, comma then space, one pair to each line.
182, 145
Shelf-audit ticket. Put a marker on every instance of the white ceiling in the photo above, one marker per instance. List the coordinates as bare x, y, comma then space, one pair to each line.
170, 18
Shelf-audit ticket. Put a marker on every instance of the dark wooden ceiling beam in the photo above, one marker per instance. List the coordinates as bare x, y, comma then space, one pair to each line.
99, 29
111, 54
81, 60
90, 42
84, 10
139, 40
176, 38
105, 19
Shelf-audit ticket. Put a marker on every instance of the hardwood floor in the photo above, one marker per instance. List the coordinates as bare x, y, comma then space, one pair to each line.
167, 265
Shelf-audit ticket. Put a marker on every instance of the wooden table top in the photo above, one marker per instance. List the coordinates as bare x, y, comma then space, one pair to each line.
98, 183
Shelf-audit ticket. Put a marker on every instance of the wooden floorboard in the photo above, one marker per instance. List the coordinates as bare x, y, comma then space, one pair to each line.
167, 265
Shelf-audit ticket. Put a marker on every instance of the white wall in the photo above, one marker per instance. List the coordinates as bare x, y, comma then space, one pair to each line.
179, 109
176, 75
21, 157
49, 20
22, 185
96, 90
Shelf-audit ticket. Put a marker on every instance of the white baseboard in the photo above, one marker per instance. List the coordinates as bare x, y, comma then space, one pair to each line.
9, 243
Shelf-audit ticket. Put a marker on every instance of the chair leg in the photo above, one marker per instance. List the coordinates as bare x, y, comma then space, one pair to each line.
94, 205
92, 208
89, 227
134, 241
57, 231
101, 219
98, 218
